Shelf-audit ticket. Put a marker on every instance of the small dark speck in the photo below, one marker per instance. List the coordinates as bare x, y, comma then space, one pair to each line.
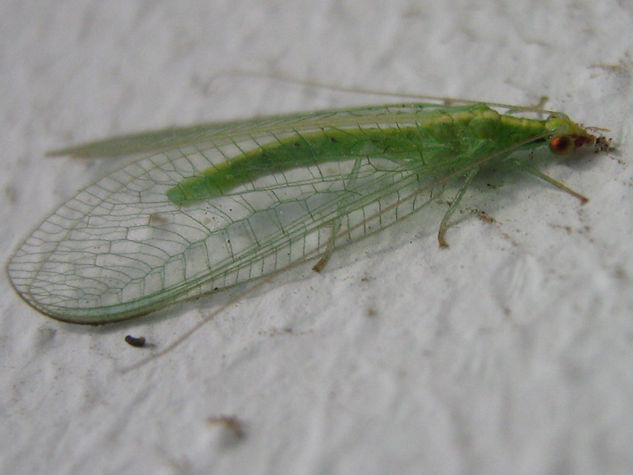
233, 428
620, 273
134, 341
485, 217
44, 337
277, 331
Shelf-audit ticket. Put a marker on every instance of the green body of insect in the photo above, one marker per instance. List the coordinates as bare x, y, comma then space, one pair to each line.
471, 132
211, 206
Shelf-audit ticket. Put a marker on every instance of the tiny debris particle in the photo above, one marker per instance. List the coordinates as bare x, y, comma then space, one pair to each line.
233, 428
134, 341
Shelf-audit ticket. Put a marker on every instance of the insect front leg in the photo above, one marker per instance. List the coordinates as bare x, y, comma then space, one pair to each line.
444, 224
561, 186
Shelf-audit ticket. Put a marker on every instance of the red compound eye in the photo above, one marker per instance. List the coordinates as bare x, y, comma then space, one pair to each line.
561, 145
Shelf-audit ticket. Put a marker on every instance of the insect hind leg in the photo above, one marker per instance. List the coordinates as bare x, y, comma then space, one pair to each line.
336, 225
441, 234
329, 247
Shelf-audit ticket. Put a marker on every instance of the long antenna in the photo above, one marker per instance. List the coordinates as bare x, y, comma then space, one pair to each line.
376, 92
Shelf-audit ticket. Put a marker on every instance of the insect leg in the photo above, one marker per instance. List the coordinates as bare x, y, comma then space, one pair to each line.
553, 181
444, 224
336, 225
329, 247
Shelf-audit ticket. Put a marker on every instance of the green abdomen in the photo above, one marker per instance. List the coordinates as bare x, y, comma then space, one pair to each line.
450, 132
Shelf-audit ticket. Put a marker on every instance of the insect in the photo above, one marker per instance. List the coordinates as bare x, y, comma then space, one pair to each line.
211, 206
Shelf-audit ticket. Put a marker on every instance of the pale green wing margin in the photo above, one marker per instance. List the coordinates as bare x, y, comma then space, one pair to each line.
120, 249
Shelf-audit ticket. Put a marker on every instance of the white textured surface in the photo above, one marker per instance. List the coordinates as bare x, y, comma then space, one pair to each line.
512, 351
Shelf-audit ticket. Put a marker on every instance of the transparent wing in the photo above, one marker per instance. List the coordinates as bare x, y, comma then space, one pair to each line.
120, 248
224, 133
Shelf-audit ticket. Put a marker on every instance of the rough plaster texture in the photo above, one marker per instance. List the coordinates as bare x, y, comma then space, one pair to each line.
510, 352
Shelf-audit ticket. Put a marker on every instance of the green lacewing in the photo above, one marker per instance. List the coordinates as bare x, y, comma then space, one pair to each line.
211, 206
